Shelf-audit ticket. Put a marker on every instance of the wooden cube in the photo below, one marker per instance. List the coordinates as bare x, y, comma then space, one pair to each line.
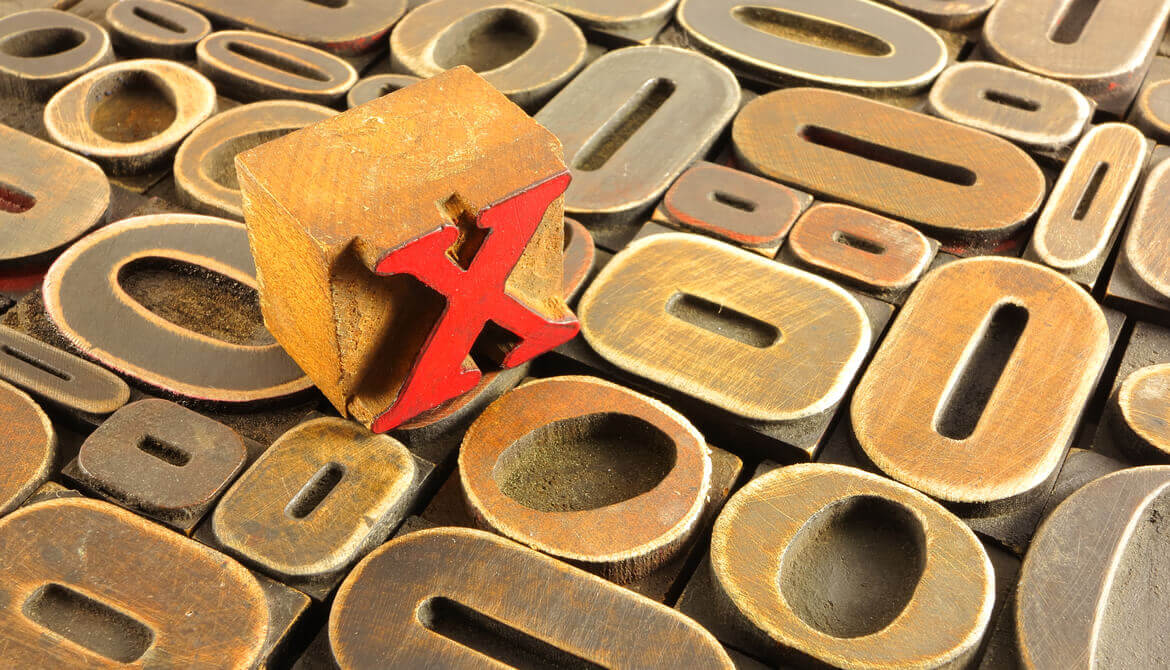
398, 238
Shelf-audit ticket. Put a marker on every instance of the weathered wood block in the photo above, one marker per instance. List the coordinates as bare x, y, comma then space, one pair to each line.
388, 237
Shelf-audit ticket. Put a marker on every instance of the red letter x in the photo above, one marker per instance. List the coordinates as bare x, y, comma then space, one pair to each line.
474, 296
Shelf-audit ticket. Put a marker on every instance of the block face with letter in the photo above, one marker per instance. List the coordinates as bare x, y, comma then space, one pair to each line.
394, 239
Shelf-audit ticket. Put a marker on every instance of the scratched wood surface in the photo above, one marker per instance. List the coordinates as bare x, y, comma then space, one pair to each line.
335, 312
521, 462
737, 248
956, 183
64, 606
37, 217
444, 33
959, 444
874, 49
316, 501
251, 66
1103, 50
162, 460
793, 552
859, 248
155, 29
355, 27
130, 116
29, 441
27, 68
1039, 114
401, 605
1080, 219
1111, 535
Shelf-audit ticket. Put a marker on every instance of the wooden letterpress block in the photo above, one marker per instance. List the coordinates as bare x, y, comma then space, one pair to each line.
962, 423
1131, 427
321, 497
848, 566
594, 474
449, 597
859, 249
732, 206
117, 589
105, 298
29, 442
1140, 283
161, 460
386, 238
156, 29
1084, 214
60, 381
1110, 534
976, 196
1041, 116
525, 464
670, 295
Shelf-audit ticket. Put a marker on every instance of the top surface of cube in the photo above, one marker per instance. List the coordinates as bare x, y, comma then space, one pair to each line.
396, 159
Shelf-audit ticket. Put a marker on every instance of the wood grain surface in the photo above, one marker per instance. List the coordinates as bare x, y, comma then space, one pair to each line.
1150, 111
1148, 230
589, 472
692, 314
32, 62
155, 29
322, 496
355, 27
1140, 282
1102, 48
835, 566
868, 251
851, 44
954, 182
466, 177
38, 217
1038, 114
87, 300
732, 206
250, 66
205, 168
83, 586
161, 460
974, 395
29, 444
1088, 595
129, 117
1144, 404
376, 86
1078, 224
58, 378
452, 597
527, 64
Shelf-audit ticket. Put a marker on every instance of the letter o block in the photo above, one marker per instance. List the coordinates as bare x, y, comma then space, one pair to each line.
393, 239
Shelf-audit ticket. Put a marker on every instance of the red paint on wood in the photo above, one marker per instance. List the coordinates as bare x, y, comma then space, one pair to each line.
474, 296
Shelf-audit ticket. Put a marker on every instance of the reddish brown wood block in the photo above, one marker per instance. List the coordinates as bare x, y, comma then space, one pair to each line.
864, 250
409, 224
733, 206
